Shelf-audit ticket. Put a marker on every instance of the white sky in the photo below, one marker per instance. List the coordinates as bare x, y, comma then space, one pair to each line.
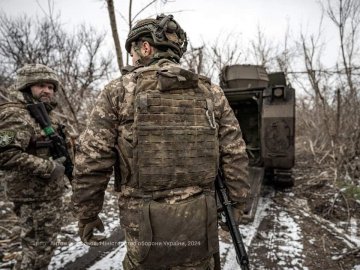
203, 20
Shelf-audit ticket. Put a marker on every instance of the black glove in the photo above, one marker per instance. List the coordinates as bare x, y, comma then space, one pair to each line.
86, 231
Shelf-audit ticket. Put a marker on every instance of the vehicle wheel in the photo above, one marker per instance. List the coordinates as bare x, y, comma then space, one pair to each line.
281, 181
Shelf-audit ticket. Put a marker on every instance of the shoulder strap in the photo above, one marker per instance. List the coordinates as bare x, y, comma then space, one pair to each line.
128, 69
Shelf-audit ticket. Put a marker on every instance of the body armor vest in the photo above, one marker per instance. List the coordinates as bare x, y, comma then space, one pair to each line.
175, 134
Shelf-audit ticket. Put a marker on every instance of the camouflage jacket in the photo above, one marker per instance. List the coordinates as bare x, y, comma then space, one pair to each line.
109, 129
25, 168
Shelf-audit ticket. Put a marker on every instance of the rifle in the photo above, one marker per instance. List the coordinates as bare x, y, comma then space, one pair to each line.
57, 143
241, 255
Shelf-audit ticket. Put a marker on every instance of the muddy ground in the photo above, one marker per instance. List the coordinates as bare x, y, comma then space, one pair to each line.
314, 225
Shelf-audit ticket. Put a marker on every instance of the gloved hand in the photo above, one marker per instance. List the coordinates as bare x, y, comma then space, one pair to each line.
60, 160
59, 169
86, 231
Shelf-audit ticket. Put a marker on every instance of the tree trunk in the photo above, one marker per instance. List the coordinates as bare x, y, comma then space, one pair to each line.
111, 10
338, 112
130, 26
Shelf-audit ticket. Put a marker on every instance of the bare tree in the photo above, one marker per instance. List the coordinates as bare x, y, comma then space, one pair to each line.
262, 49
286, 55
331, 110
345, 14
77, 58
225, 50
311, 50
111, 10
132, 18
323, 134
193, 58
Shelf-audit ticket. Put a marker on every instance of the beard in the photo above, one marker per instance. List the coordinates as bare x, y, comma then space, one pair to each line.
45, 98
49, 101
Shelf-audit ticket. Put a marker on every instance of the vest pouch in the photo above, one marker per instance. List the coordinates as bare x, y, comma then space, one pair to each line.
176, 78
123, 166
178, 233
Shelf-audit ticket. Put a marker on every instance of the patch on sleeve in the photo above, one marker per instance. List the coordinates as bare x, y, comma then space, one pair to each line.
6, 137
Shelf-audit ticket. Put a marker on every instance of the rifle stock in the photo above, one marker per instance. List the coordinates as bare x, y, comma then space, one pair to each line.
240, 250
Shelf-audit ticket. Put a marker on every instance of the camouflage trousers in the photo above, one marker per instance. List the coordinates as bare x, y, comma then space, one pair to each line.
206, 264
130, 262
40, 223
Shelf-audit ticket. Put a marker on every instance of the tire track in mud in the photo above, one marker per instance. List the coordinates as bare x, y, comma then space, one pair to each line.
262, 237
284, 235
248, 232
278, 242
328, 246
291, 237
273, 239
94, 254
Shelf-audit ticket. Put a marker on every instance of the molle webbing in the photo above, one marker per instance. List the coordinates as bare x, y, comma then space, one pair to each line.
176, 140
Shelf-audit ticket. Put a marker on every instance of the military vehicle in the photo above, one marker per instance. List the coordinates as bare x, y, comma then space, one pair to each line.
264, 105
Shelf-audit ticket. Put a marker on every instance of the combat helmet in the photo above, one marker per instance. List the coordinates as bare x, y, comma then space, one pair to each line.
35, 73
163, 31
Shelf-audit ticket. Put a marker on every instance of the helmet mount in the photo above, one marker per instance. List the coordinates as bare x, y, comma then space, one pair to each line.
162, 32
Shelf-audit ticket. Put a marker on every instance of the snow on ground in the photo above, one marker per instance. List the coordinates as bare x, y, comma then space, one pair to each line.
66, 254
353, 230
248, 232
281, 240
112, 261
286, 242
69, 244
347, 235
286, 235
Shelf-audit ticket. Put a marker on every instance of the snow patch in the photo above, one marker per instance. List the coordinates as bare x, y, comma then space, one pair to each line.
111, 261
248, 232
70, 253
69, 244
287, 236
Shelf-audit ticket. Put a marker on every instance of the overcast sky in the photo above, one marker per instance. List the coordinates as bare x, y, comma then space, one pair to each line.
203, 20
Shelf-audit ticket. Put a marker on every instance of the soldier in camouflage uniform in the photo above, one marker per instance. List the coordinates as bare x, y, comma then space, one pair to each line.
166, 131
33, 181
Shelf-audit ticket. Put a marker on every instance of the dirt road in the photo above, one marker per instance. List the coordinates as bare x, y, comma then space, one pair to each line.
285, 234
312, 226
